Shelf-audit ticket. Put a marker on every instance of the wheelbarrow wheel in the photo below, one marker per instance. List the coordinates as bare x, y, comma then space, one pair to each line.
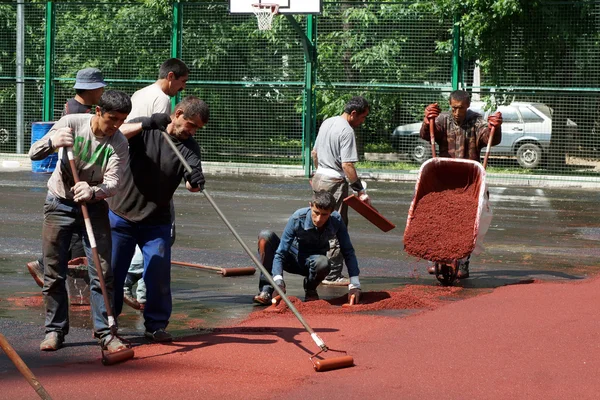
446, 274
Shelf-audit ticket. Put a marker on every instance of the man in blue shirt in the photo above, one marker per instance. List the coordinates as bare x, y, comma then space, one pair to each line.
303, 248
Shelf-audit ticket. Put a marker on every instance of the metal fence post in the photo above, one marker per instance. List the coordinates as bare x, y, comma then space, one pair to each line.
176, 28
20, 70
456, 53
48, 105
310, 98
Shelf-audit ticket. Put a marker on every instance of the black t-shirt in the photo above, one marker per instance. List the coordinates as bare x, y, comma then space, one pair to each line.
151, 177
72, 106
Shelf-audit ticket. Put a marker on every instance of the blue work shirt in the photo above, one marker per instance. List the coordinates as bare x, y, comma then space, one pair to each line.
302, 239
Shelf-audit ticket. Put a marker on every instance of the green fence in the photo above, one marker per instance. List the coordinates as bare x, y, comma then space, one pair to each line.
268, 91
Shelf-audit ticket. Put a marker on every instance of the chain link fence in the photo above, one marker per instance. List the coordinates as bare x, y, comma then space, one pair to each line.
541, 68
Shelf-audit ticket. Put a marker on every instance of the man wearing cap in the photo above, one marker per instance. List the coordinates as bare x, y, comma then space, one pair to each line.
89, 86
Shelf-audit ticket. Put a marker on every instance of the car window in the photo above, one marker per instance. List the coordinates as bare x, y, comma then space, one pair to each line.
509, 114
529, 115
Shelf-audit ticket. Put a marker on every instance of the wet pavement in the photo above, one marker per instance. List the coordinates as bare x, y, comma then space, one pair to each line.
536, 234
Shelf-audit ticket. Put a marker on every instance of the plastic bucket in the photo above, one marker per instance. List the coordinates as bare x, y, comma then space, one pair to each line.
38, 130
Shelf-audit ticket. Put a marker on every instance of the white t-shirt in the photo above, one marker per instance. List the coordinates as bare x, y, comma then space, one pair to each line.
149, 100
335, 144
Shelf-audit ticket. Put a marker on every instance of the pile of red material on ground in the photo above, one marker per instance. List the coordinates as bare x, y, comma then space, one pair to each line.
411, 297
442, 227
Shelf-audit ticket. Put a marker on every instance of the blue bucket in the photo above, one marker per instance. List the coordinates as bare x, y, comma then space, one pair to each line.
38, 130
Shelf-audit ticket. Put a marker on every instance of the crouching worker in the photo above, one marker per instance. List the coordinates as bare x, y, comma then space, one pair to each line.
100, 154
303, 248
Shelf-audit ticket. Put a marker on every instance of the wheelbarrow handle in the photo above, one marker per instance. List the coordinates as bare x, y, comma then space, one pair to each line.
489, 146
432, 136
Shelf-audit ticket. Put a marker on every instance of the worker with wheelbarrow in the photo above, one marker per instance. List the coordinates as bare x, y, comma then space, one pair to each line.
461, 134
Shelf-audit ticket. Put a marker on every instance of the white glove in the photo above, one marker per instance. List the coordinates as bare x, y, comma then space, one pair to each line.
364, 197
62, 137
82, 192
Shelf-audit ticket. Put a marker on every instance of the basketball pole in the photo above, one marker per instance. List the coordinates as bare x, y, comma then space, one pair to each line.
309, 122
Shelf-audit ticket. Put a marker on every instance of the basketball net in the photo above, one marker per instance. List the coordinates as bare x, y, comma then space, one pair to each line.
264, 15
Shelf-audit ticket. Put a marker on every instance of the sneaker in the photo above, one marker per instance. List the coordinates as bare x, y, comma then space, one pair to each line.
463, 270
159, 336
37, 272
131, 302
263, 298
113, 344
340, 281
52, 342
311, 295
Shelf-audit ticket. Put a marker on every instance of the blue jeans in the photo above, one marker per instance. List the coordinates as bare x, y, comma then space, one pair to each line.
136, 268
315, 269
62, 219
154, 241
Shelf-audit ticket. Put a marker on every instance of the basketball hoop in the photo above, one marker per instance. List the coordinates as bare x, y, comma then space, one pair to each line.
264, 14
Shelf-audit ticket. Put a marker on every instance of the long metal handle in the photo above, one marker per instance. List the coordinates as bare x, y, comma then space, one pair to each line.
23, 369
432, 137
96, 257
258, 264
489, 146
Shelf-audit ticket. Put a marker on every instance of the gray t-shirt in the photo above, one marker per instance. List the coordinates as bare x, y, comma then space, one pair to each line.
335, 144
100, 161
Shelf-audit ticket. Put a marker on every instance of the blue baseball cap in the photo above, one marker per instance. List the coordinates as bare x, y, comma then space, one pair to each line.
89, 79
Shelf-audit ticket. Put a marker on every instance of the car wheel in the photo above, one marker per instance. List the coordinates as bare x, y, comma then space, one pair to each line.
420, 153
529, 155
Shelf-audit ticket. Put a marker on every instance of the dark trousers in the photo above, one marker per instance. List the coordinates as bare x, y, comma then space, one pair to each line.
315, 269
155, 243
63, 218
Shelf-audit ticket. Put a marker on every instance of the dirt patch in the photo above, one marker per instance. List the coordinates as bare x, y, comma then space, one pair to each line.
442, 226
407, 298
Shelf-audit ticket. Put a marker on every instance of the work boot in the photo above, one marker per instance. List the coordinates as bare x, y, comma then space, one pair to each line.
310, 294
463, 270
159, 336
37, 272
263, 298
52, 342
339, 281
112, 344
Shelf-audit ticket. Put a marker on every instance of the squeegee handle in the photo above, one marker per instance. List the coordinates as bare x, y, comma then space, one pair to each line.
92, 239
23, 369
258, 264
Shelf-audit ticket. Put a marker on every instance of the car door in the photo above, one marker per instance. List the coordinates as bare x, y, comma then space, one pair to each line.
538, 126
512, 129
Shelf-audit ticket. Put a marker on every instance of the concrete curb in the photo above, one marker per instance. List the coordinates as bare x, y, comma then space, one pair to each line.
21, 162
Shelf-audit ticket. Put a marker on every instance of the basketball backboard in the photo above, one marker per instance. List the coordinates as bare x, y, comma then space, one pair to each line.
285, 6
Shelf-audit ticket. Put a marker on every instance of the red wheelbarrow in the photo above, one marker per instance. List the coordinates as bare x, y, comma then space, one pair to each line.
449, 213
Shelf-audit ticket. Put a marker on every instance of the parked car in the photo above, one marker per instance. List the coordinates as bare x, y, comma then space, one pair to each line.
526, 132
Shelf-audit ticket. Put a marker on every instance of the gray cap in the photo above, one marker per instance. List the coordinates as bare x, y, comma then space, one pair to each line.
88, 79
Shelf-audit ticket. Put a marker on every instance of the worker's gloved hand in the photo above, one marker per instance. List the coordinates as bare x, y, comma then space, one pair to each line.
495, 120
365, 197
281, 284
62, 137
354, 292
82, 192
156, 121
431, 112
195, 178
